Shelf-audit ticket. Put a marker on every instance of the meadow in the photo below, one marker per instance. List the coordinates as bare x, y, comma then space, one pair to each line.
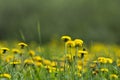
64, 59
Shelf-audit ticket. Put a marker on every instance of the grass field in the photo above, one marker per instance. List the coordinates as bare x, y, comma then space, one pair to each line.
64, 59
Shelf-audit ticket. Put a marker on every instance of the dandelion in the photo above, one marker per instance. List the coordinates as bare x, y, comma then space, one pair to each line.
51, 69
4, 50
109, 60
79, 67
46, 62
9, 58
78, 42
95, 72
53, 64
113, 76
39, 64
14, 63
104, 70
66, 38
93, 66
102, 60
22, 45
31, 53
81, 53
28, 61
118, 62
70, 44
5, 75
37, 58
15, 51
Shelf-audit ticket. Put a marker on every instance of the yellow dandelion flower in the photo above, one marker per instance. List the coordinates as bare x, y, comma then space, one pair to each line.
46, 62
93, 65
79, 67
113, 76
31, 53
118, 65
22, 45
4, 50
102, 60
39, 64
15, 62
9, 58
5, 75
118, 62
78, 42
104, 70
109, 60
28, 61
70, 43
53, 64
37, 58
95, 72
15, 51
66, 38
81, 53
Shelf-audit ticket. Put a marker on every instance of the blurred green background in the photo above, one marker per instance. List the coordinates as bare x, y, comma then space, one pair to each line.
90, 20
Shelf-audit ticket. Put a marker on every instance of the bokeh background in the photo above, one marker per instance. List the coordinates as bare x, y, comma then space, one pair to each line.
90, 20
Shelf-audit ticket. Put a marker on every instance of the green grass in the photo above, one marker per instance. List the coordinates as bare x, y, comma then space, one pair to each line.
55, 65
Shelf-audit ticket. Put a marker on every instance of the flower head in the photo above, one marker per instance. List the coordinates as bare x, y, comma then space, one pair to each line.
66, 38
114, 76
15, 51
104, 70
31, 53
28, 61
82, 53
4, 50
15, 62
78, 42
37, 58
22, 45
70, 43
5, 75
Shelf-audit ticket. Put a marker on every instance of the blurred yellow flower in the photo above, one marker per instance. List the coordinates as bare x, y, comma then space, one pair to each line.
66, 38
46, 62
102, 60
31, 53
81, 53
28, 61
104, 70
4, 50
15, 62
79, 67
39, 64
9, 58
95, 72
78, 42
5, 75
118, 62
113, 76
15, 51
70, 43
22, 45
109, 60
53, 64
37, 58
